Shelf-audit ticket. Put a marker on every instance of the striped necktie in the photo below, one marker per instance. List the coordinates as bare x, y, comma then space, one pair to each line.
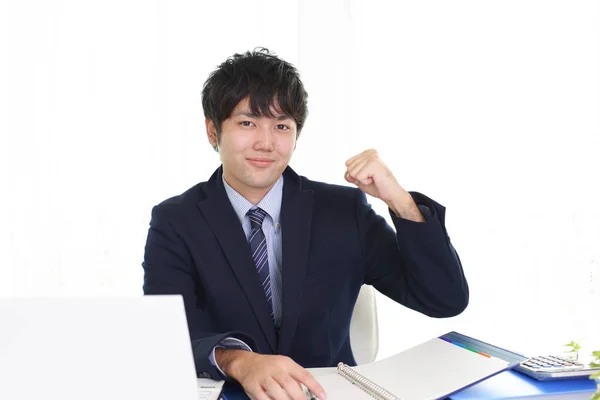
258, 248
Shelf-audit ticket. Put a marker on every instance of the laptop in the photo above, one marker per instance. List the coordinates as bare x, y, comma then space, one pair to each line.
98, 348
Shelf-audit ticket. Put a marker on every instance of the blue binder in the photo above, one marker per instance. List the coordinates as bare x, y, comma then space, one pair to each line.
513, 385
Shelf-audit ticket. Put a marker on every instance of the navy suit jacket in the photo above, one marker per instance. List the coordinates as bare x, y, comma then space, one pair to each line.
332, 243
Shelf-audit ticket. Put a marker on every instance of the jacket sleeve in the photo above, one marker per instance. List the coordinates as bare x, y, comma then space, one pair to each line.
168, 269
416, 266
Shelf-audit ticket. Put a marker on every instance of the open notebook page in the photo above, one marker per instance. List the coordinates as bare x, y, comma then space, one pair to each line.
431, 370
338, 388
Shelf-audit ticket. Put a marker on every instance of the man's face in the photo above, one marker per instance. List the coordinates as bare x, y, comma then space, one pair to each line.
254, 150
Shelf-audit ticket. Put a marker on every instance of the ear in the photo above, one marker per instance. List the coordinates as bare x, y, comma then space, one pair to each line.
211, 133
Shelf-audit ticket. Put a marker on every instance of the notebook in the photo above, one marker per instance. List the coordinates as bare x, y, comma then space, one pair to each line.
97, 349
514, 385
434, 369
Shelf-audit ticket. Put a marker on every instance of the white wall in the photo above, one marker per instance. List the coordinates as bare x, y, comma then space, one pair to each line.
491, 108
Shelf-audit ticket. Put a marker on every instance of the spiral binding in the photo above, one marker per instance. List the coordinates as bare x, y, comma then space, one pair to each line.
365, 384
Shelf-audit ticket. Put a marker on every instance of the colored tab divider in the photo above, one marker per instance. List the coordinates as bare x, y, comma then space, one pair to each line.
465, 347
485, 349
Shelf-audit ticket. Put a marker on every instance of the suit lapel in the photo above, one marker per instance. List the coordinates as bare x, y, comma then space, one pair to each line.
223, 221
296, 219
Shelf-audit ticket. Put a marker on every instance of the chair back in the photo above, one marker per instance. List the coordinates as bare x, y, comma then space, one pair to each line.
364, 331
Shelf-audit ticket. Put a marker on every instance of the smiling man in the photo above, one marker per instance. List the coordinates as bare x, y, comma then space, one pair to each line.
270, 263
254, 150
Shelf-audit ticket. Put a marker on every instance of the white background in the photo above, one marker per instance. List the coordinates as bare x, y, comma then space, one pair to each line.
489, 107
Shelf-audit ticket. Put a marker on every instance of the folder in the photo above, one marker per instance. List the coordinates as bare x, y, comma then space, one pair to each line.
514, 385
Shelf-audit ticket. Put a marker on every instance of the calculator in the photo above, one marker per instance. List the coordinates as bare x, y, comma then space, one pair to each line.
544, 368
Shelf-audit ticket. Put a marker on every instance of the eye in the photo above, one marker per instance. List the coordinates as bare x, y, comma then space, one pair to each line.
283, 127
246, 123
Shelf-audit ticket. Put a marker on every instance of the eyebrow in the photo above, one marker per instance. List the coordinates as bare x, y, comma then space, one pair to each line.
252, 115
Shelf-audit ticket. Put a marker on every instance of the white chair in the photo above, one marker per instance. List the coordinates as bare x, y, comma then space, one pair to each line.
364, 331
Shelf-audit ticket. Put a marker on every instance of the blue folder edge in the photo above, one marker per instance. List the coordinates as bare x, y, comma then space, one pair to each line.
507, 384
511, 384
233, 392
472, 344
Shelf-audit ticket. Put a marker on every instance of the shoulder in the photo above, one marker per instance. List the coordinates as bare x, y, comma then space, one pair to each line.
184, 201
331, 193
329, 188
323, 193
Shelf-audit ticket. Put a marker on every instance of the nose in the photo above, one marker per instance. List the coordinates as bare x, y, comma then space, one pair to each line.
264, 139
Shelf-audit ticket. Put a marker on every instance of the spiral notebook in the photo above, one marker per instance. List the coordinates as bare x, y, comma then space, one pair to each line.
431, 370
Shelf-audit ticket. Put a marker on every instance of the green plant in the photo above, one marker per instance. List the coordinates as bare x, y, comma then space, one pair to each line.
594, 364
575, 347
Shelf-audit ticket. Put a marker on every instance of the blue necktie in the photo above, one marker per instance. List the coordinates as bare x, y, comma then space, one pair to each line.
258, 248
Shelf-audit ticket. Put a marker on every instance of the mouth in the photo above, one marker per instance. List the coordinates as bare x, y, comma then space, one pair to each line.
260, 162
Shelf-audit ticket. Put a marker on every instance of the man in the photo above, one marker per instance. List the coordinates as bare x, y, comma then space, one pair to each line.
270, 263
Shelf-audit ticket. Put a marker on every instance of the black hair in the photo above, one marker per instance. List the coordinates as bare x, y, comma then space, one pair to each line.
269, 81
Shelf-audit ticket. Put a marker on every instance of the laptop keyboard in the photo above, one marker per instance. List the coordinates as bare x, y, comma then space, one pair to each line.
204, 394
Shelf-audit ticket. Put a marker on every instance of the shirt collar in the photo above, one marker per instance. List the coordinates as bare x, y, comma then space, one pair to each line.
271, 203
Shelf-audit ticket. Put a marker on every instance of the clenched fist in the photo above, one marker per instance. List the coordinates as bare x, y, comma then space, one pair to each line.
368, 171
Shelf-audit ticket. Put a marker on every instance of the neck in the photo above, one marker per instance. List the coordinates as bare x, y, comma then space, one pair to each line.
253, 194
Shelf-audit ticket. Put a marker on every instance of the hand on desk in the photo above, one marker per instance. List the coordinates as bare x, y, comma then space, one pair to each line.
259, 374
